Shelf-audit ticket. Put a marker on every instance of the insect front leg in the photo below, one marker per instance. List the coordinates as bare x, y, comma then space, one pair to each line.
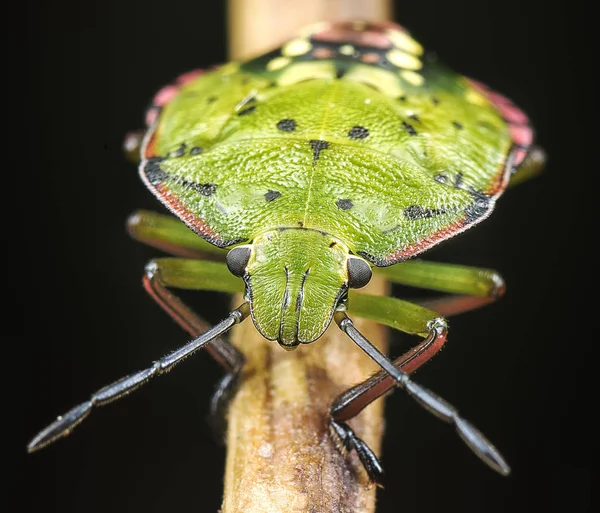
469, 288
409, 318
215, 278
198, 275
167, 233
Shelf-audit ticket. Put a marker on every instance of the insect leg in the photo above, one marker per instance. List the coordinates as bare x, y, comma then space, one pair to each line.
132, 144
192, 274
415, 320
63, 425
531, 167
354, 400
167, 233
472, 287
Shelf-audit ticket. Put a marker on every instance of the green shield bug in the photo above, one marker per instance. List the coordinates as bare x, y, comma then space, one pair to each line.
346, 151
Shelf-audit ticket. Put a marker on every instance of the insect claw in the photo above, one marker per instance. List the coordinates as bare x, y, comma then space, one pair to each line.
480, 445
367, 457
62, 426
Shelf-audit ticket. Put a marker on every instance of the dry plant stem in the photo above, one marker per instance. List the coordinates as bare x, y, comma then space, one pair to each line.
281, 455
260, 25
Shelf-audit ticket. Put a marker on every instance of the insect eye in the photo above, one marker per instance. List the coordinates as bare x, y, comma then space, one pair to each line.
237, 259
359, 272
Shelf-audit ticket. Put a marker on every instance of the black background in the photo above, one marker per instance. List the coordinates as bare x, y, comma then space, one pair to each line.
520, 369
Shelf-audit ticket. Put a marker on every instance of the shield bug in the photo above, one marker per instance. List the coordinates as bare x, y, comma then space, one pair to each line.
345, 151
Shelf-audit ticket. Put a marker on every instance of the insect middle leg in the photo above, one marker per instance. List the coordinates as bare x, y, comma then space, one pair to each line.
470, 287
167, 233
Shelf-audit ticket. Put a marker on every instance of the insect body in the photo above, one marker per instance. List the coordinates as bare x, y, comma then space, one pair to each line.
344, 149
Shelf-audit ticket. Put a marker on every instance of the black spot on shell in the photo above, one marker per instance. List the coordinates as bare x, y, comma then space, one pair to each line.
206, 189
196, 150
153, 172
286, 125
415, 212
358, 132
179, 152
211, 99
318, 146
480, 206
441, 177
414, 117
458, 125
247, 110
409, 128
344, 204
271, 195
435, 100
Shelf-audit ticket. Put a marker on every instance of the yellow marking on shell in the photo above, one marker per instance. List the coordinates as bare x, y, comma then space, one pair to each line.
347, 50
403, 41
305, 70
278, 63
412, 77
475, 98
403, 60
296, 47
228, 69
380, 79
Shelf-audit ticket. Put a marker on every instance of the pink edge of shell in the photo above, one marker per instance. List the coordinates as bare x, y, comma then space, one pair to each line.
190, 76
165, 95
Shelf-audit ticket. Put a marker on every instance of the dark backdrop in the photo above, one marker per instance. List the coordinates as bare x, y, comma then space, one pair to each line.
520, 369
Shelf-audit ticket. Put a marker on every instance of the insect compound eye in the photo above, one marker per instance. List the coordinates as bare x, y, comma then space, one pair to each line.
237, 259
359, 272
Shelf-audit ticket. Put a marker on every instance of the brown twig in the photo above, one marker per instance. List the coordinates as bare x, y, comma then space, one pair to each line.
281, 457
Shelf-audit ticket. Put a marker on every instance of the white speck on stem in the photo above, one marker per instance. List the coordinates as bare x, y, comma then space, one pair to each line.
265, 450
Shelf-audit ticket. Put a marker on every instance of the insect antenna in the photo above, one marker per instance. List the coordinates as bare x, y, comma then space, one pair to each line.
64, 424
430, 401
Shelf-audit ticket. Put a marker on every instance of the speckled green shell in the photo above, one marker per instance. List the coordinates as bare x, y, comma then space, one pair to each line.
349, 129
